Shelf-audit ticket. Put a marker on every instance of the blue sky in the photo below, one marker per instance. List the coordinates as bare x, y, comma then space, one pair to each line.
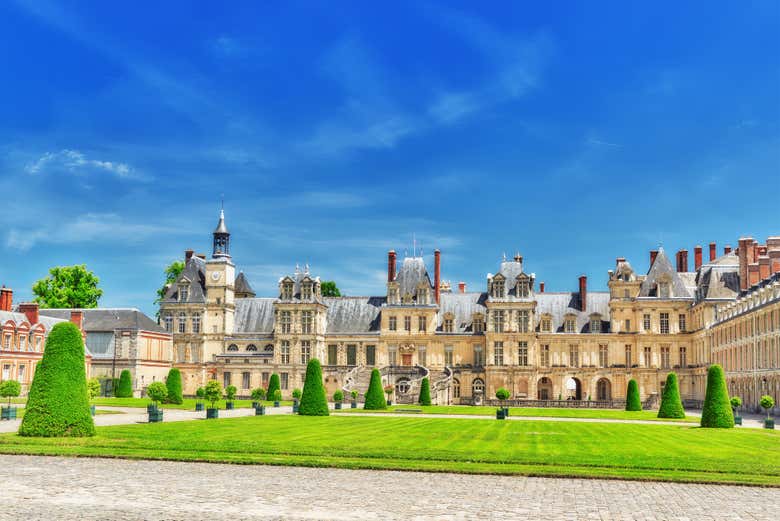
337, 130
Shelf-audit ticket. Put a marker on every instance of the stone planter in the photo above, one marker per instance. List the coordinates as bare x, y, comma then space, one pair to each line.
156, 416
229, 406
199, 406
151, 408
353, 405
260, 410
769, 423
506, 412
737, 420
276, 404
8, 413
500, 414
389, 403
212, 414
295, 408
338, 405
92, 410
255, 405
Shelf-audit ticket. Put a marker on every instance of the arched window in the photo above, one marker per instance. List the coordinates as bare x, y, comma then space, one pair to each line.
477, 387
603, 389
403, 385
269, 348
455, 388
232, 347
251, 347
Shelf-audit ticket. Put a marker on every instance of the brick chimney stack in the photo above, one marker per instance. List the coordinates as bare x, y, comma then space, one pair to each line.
437, 274
541, 287
696, 257
583, 292
682, 261
745, 244
764, 267
462, 287
30, 310
6, 298
188, 255
391, 266
77, 317
713, 251
653, 255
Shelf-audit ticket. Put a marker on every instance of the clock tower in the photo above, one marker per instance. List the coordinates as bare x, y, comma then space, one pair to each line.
220, 299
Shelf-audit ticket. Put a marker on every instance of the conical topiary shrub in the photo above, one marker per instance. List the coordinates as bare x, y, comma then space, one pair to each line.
58, 404
125, 387
313, 401
671, 405
716, 411
273, 386
425, 392
173, 383
633, 403
375, 396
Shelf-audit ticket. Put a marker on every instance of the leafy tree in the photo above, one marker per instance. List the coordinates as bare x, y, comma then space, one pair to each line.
671, 405
172, 272
230, 392
297, 393
273, 386
329, 289
313, 401
125, 387
277, 396
633, 403
93, 388
716, 412
68, 287
258, 394
200, 393
157, 392
736, 403
58, 404
425, 392
10, 389
375, 396
354, 394
173, 383
767, 402
213, 392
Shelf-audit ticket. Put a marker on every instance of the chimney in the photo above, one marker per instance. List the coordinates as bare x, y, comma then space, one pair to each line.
764, 267
682, 261
754, 252
762, 250
30, 310
653, 255
745, 243
713, 251
541, 287
437, 274
462, 287
696, 257
727, 249
6, 298
188, 254
391, 266
774, 257
753, 274
583, 292
77, 317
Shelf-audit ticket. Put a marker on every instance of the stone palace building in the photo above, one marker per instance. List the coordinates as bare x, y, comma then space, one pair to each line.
582, 345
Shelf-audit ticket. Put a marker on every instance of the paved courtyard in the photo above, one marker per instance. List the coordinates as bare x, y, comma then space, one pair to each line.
37, 487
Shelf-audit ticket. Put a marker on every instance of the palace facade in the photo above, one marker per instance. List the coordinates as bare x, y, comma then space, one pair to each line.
541, 345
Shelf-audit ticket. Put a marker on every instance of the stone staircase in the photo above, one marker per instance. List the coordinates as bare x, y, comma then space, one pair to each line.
359, 377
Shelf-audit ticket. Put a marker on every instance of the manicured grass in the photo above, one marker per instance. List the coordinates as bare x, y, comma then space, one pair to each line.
188, 404
610, 414
20, 412
544, 448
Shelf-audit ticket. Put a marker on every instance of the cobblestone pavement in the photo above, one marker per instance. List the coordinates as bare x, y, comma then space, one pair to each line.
35, 487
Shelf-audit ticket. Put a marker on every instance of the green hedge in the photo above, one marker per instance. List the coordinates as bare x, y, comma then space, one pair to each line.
716, 412
313, 401
375, 396
125, 387
633, 403
273, 386
671, 405
173, 383
58, 403
425, 392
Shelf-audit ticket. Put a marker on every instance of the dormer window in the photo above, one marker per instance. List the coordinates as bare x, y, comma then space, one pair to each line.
449, 324
570, 325
393, 295
422, 295
479, 323
306, 291
523, 288
498, 289
407, 298
287, 290
184, 293
545, 325
663, 289
595, 324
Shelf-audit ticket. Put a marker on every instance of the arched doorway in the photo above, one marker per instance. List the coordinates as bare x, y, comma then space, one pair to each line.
573, 389
402, 386
544, 389
603, 389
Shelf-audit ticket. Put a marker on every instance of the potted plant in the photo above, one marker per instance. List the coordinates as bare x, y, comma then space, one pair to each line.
736, 403
389, 392
213, 393
354, 395
9, 389
200, 394
93, 391
230, 395
157, 392
338, 397
503, 412
767, 402
258, 395
277, 397
296, 394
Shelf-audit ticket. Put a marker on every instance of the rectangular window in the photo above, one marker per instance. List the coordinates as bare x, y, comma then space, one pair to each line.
498, 321
284, 381
648, 357
544, 356
392, 355
351, 354
569, 325
683, 358
595, 325
245, 380
305, 351
498, 353
448, 356
285, 352
196, 322
646, 322
546, 325
448, 325
227, 378
421, 323
665, 364
21, 372
371, 356
306, 291
574, 355
286, 322
479, 356
522, 353
287, 291
184, 293
392, 323
333, 356
265, 377
603, 355
6, 371
664, 323
681, 321
629, 360
627, 325
407, 323
479, 325
523, 321
422, 357
182, 322
307, 322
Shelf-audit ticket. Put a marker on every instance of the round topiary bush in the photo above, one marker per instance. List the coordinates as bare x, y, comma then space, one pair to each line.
314, 402
502, 393
258, 394
716, 412
273, 386
425, 392
125, 387
633, 403
338, 396
767, 402
10, 389
58, 403
173, 383
375, 396
157, 392
671, 405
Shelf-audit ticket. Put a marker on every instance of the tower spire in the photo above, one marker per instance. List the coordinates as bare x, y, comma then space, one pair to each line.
221, 236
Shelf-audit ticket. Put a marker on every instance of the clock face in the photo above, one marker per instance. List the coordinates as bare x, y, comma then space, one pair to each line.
215, 275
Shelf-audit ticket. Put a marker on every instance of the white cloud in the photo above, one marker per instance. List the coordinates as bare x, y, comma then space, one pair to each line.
75, 162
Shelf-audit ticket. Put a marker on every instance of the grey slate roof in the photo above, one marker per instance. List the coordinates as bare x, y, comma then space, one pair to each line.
18, 318
411, 274
718, 279
463, 306
106, 319
254, 315
195, 271
662, 266
298, 277
241, 286
353, 314
558, 305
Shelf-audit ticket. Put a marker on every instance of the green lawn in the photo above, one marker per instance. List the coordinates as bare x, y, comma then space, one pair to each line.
20, 412
189, 403
611, 414
543, 448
